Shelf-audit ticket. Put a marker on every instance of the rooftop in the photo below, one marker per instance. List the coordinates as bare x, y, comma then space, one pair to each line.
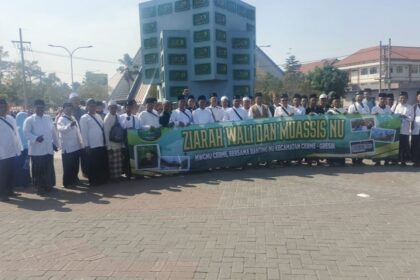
308, 67
373, 53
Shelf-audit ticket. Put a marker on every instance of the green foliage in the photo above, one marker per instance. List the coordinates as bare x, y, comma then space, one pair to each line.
292, 65
328, 79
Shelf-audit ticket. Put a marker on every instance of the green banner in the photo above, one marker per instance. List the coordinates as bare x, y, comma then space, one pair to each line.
235, 144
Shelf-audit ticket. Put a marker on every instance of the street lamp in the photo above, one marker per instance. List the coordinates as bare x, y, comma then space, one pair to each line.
71, 53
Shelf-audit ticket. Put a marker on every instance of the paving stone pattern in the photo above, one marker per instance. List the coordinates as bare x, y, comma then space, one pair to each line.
257, 223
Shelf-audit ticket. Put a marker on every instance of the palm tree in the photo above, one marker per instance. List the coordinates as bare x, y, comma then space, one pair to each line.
128, 69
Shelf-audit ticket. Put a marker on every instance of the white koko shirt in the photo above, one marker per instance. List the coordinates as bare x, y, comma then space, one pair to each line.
92, 133
70, 136
178, 116
202, 116
232, 114
35, 126
405, 110
10, 145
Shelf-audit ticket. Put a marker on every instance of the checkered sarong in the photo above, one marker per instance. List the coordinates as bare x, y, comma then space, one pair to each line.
115, 160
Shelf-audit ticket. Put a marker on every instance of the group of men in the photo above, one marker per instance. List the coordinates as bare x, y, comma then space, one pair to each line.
96, 142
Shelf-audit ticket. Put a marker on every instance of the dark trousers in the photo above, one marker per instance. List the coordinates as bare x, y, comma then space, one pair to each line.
415, 148
71, 162
98, 168
43, 173
404, 148
22, 174
7, 174
126, 162
84, 163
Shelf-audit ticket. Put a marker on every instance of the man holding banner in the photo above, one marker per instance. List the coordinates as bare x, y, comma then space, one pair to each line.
236, 113
181, 117
202, 115
259, 110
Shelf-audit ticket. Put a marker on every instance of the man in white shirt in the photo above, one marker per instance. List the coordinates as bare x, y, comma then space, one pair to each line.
415, 132
297, 103
94, 140
236, 113
201, 115
259, 110
181, 117
216, 111
114, 147
128, 121
10, 150
149, 119
381, 108
358, 107
284, 109
246, 103
71, 145
41, 134
406, 113
225, 103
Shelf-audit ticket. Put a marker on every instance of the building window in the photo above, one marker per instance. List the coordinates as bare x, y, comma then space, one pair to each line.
415, 69
240, 59
220, 18
200, 19
202, 36
221, 35
364, 71
400, 69
231, 6
178, 76
151, 58
148, 12
203, 69
222, 69
177, 43
240, 43
241, 90
221, 52
165, 9
239, 75
250, 28
241, 10
177, 59
151, 73
200, 3
174, 92
182, 5
203, 52
250, 14
150, 27
150, 43
220, 3
373, 70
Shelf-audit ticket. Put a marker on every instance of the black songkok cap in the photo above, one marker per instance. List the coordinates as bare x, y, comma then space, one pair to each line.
39, 102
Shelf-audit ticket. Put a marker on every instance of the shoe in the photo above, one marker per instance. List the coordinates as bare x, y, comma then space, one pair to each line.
403, 164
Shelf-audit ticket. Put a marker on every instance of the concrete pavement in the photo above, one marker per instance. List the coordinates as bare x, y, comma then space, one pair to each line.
258, 223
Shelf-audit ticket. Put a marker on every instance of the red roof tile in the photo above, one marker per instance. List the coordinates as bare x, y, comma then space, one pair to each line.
372, 54
308, 67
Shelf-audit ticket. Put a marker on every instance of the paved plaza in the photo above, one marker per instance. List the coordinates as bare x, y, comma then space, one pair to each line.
258, 223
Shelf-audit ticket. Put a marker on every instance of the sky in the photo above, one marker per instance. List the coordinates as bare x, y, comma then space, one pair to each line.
309, 29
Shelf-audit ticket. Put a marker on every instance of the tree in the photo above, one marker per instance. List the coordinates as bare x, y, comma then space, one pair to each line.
292, 65
328, 79
267, 83
128, 69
